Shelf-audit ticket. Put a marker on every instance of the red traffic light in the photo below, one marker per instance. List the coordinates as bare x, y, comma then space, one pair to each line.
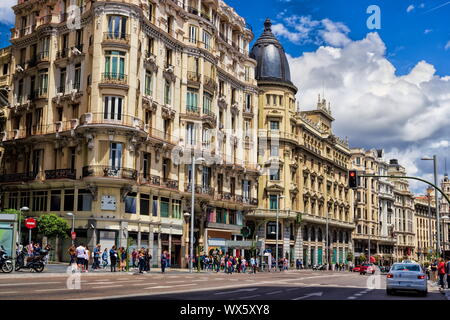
352, 174
353, 179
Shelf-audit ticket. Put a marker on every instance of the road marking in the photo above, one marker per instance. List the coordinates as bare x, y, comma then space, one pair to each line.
175, 286
104, 287
351, 298
274, 292
26, 284
179, 281
292, 289
236, 291
143, 284
50, 290
358, 294
8, 292
249, 297
315, 294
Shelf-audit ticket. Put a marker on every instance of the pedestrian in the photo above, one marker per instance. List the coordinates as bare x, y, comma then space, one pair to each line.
447, 269
434, 270
442, 272
73, 254
163, 262
244, 265
122, 259
297, 264
97, 251
113, 258
105, 258
141, 257
134, 256
87, 256
81, 252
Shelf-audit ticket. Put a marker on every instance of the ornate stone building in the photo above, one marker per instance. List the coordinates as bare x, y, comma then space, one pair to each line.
425, 225
404, 221
109, 101
304, 168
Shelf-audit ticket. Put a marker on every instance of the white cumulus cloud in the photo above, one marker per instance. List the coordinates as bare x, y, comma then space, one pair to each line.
410, 8
6, 13
407, 115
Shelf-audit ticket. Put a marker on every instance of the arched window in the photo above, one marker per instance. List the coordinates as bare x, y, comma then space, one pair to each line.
313, 234
334, 236
319, 235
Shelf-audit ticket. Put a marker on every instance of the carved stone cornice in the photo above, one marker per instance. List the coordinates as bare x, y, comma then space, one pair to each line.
168, 112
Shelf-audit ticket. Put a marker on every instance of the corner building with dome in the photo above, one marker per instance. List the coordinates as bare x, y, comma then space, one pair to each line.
304, 168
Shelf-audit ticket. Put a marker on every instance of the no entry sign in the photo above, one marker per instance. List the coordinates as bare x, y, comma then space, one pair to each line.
74, 235
30, 223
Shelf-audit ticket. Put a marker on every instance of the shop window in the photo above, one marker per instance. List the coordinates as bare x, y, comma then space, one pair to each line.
145, 204
130, 203
55, 200
69, 198
84, 200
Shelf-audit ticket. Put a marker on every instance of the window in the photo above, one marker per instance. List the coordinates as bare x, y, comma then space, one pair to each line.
165, 169
117, 27
274, 125
274, 174
155, 206
36, 161
148, 84
247, 73
62, 80
274, 150
207, 102
167, 93
84, 200
146, 165
272, 230
248, 102
69, 198
130, 203
273, 202
193, 32
207, 40
246, 189
115, 156
192, 101
77, 77
145, 204
114, 65
55, 200
164, 205
40, 201
206, 178
206, 138
112, 108
176, 209
43, 82
72, 159
190, 134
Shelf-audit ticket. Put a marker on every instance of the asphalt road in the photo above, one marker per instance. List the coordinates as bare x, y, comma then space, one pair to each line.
176, 285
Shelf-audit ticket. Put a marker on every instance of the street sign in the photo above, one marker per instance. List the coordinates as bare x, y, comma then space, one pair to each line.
74, 235
30, 223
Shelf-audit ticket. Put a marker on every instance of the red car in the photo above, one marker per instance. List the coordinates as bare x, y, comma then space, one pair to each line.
356, 269
367, 268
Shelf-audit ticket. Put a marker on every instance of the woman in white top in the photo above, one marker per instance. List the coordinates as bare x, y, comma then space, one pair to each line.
86, 259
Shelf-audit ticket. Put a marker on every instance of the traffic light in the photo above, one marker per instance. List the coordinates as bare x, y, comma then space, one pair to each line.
353, 179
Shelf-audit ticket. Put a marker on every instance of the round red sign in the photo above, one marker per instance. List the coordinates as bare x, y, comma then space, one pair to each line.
30, 223
74, 235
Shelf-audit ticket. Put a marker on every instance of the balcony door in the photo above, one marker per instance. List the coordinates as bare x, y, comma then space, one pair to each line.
117, 27
112, 109
115, 156
115, 65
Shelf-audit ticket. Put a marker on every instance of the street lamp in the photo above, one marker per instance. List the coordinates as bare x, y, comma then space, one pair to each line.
278, 213
73, 224
193, 207
434, 159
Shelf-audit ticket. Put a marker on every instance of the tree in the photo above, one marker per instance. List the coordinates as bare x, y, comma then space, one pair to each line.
52, 226
362, 258
349, 256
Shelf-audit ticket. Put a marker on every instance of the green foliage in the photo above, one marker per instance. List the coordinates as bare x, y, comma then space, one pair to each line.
349, 256
51, 226
10, 211
362, 258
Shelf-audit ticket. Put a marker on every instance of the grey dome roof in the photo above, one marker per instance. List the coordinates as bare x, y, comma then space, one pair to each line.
272, 65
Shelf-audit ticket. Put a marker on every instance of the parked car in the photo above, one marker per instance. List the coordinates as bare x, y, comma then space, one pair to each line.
407, 277
356, 269
367, 268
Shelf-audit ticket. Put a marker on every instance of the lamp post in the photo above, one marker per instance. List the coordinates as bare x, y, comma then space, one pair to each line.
192, 208
73, 224
438, 223
186, 216
278, 213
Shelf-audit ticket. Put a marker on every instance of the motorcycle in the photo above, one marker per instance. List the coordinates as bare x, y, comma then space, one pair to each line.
5, 262
35, 263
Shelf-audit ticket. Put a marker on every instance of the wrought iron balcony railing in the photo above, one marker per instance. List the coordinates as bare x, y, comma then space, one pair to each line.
61, 174
109, 172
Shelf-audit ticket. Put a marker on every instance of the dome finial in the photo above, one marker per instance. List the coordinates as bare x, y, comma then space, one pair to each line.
267, 25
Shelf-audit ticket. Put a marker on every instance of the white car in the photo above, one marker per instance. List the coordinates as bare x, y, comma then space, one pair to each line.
406, 277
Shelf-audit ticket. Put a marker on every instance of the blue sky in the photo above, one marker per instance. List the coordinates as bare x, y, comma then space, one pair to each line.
419, 34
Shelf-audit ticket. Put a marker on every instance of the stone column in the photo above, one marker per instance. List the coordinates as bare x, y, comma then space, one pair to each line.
158, 254
298, 247
123, 234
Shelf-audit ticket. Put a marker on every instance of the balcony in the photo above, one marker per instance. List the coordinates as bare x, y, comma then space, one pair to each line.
209, 117
32, 62
48, 19
60, 174
170, 184
114, 80
209, 84
43, 57
62, 54
194, 78
109, 172
116, 38
199, 189
18, 177
115, 119
248, 112
40, 93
